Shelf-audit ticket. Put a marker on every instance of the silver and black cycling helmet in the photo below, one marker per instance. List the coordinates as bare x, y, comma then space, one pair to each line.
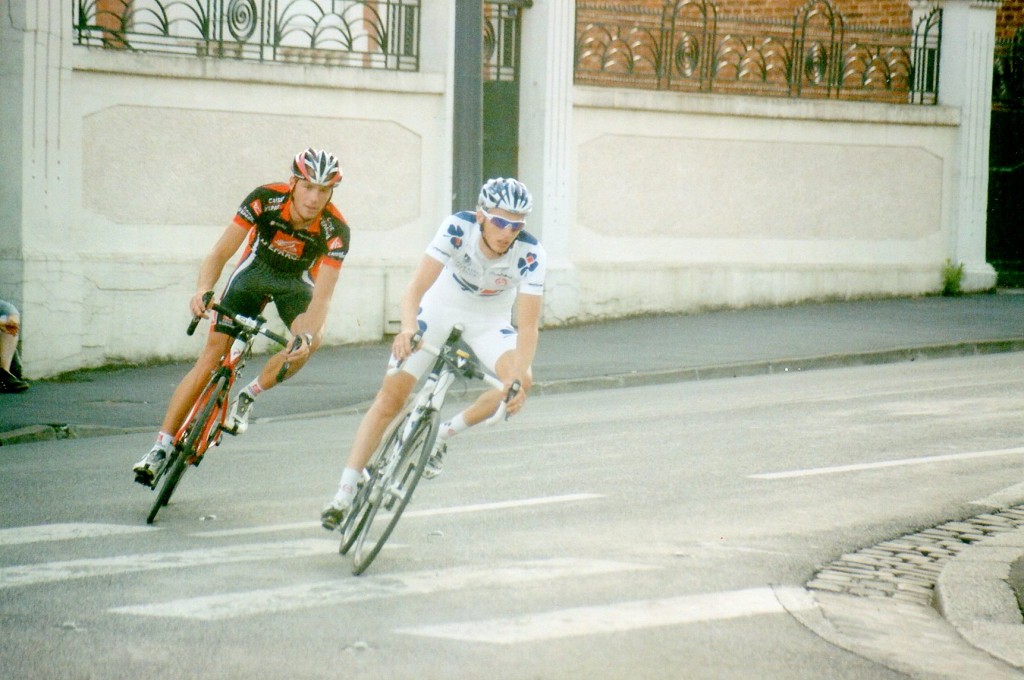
317, 166
507, 194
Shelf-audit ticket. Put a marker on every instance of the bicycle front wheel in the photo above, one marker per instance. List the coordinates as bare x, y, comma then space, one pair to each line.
192, 444
393, 493
361, 505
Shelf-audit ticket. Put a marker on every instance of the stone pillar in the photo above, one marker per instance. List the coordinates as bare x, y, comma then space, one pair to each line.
965, 82
547, 155
468, 115
13, 84
39, 219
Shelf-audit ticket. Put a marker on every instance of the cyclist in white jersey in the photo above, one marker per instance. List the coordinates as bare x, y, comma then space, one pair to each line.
478, 265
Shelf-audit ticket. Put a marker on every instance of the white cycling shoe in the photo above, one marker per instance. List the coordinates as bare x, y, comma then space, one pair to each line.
240, 412
436, 461
333, 515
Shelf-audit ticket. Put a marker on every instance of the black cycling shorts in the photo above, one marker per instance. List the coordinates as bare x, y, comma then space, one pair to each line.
254, 284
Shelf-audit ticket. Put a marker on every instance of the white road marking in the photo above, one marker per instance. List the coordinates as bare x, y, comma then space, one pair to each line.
858, 467
264, 529
63, 532
49, 572
427, 512
375, 586
618, 617
503, 505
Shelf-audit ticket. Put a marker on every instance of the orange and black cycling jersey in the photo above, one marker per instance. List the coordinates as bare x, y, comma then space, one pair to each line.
273, 241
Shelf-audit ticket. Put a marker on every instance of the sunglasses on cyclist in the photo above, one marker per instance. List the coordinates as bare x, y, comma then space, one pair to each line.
502, 223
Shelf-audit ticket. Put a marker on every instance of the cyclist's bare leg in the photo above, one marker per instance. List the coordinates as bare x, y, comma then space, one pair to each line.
188, 390
268, 376
487, 403
182, 400
389, 401
386, 406
480, 410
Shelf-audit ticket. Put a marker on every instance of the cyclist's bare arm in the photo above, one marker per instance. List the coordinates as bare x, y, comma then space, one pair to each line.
426, 274
213, 264
528, 310
311, 322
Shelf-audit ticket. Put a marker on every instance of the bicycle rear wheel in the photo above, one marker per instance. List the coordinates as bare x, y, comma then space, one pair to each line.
394, 494
198, 428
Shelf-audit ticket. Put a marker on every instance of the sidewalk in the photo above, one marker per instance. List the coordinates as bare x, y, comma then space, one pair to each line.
975, 590
634, 351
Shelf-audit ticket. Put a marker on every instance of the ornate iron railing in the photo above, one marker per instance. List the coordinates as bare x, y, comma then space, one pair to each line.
686, 46
502, 41
381, 34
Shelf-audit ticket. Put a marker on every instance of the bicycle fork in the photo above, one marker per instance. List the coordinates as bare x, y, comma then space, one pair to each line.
428, 401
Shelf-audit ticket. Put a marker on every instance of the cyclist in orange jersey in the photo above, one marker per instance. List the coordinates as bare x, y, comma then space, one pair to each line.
295, 242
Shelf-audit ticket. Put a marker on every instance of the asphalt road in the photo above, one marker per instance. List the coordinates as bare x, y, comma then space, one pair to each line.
601, 534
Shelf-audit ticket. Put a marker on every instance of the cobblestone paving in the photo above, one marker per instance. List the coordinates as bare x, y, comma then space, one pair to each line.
907, 568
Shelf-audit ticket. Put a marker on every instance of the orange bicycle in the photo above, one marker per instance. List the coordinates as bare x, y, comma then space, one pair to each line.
204, 424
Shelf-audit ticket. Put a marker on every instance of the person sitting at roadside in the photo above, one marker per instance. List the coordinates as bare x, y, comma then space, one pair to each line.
10, 328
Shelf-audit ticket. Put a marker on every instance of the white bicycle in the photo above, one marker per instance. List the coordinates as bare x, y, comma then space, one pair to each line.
396, 466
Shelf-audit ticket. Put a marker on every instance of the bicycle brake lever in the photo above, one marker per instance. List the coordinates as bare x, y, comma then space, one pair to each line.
513, 390
285, 366
207, 296
502, 411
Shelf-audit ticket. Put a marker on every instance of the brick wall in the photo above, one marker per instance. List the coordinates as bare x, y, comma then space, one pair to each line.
889, 13
857, 12
1009, 18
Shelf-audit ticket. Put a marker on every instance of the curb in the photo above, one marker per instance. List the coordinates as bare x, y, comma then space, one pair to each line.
40, 433
773, 366
955, 573
974, 594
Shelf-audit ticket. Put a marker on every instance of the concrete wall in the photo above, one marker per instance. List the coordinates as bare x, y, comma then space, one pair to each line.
695, 201
124, 168
131, 165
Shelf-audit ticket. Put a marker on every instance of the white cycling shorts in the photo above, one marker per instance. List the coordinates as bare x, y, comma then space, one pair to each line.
489, 335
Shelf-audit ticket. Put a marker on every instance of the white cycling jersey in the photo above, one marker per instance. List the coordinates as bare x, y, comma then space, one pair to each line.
475, 292
471, 278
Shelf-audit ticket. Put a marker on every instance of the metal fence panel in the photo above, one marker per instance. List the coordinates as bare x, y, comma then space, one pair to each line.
687, 46
381, 34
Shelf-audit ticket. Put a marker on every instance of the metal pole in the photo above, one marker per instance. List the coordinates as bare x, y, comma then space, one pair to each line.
468, 114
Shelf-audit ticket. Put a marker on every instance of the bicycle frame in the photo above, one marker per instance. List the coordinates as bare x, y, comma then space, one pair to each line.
432, 394
229, 368
204, 423
430, 398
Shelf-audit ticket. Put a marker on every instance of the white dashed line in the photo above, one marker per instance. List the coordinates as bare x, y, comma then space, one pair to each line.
63, 532
923, 460
49, 572
618, 617
346, 590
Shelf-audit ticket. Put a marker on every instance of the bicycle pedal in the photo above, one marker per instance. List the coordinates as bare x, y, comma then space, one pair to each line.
233, 431
145, 480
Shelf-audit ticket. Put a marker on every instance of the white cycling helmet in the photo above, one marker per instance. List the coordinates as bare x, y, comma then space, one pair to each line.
506, 194
317, 166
